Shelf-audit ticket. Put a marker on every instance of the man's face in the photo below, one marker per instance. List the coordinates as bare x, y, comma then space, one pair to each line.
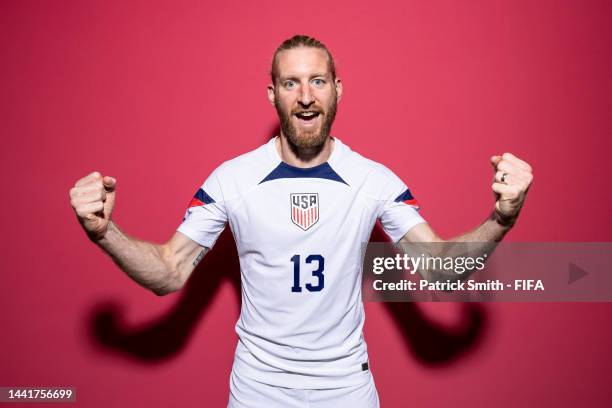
305, 96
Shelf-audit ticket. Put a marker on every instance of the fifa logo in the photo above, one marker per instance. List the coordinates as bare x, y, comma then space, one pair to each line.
304, 209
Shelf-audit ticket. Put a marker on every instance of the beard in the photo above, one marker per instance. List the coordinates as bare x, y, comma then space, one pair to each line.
306, 141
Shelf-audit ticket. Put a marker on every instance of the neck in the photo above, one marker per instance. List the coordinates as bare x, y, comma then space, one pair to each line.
304, 158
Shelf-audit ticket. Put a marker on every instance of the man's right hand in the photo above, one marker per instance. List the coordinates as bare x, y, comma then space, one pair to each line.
93, 199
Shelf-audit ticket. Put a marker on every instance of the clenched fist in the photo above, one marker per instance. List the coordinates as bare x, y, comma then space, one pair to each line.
510, 185
93, 199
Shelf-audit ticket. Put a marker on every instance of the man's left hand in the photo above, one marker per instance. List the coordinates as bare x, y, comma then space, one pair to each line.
512, 179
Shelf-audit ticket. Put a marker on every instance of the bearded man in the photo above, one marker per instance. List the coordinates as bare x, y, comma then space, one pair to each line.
299, 207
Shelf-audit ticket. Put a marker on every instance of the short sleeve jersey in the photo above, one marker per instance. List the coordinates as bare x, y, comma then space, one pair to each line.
299, 234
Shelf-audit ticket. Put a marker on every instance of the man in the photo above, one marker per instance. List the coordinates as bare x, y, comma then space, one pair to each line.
299, 208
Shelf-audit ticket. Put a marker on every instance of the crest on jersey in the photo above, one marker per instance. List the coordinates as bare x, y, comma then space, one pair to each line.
304, 209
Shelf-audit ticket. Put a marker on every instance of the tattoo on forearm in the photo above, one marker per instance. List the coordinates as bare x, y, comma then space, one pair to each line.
199, 258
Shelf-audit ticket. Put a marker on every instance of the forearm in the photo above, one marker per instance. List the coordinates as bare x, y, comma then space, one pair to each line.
144, 262
479, 242
491, 231
510, 185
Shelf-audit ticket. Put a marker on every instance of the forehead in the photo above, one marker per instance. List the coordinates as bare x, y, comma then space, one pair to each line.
302, 61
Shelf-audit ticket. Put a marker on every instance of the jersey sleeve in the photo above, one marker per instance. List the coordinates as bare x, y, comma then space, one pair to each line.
206, 216
398, 209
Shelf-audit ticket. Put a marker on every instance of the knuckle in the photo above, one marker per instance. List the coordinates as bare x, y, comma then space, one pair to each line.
89, 217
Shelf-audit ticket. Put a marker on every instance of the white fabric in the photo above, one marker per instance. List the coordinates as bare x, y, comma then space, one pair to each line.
247, 393
307, 339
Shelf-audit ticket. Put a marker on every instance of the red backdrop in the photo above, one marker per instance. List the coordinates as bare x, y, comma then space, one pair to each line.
158, 94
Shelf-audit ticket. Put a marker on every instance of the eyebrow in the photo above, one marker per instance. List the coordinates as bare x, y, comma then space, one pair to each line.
294, 78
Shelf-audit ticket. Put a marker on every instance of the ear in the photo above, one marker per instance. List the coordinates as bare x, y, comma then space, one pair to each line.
271, 94
338, 84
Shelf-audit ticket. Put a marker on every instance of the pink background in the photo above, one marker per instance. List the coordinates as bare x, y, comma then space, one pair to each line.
158, 94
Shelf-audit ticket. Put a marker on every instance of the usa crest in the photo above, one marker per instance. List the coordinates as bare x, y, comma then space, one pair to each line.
304, 209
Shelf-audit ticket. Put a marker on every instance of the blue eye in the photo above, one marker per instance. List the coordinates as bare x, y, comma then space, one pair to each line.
318, 82
289, 84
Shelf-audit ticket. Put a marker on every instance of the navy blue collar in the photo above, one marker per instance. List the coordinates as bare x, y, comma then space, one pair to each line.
322, 171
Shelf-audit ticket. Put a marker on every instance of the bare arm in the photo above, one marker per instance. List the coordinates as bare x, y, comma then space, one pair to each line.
161, 268
512, 180
491, 230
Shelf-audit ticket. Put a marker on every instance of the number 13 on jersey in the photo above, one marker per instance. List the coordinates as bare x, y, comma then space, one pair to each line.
317, 264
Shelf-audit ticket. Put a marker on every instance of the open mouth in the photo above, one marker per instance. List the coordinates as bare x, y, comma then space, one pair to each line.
307, 116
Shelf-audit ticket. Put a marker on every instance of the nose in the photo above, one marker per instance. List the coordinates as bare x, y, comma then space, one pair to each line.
305, 99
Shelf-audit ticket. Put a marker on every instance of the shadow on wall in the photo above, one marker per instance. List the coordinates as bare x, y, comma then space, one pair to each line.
166, 336
429, 342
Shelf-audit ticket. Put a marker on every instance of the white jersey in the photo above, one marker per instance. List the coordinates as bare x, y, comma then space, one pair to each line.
299, 234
